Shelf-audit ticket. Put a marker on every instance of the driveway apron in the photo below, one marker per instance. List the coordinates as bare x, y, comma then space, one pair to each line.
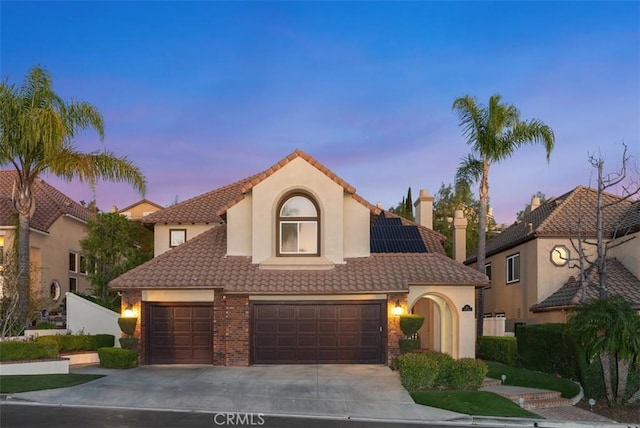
344, 391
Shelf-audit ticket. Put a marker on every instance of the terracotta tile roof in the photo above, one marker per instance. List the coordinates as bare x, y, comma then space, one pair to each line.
630, 222
620, 282
202, 263
559, 217
140, 202
50, 203
211, 206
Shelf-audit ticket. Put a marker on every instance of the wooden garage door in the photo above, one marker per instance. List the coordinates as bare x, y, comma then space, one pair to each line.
316, 333
179, 333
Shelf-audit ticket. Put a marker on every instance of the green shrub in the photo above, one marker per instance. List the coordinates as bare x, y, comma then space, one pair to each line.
129, 343
502, 349
420, 371
117, 358
20, 351
547, 348
44, 325
408, 345
79, 342
466, 374
411, 323
127, 325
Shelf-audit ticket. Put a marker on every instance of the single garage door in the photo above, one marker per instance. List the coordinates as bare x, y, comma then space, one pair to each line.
318, 333
179, 333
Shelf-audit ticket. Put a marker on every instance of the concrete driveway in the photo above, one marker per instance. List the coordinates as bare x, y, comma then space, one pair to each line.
341, 391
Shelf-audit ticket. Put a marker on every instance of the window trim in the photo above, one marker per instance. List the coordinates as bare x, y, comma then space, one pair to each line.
508, 259
171, 232
562, 262
82, 265
488, 265
75, 262
280, 220
74, 278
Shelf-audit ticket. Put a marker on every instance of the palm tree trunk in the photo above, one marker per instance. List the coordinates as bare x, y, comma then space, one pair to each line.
482, 229
623, 374
23, 277
605, 362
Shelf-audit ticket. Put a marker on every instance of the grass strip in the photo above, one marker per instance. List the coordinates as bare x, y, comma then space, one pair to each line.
476, 403
532, 379
11, 384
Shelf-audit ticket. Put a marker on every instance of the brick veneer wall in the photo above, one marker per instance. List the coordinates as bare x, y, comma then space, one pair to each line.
394, 334
133, 299
219, 330
237, 330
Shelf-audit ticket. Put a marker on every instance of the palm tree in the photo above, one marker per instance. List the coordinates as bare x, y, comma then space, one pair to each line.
36, 132
609, 329
494, 133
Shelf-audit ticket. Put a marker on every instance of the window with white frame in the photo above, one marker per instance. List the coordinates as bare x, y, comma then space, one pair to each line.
73, 284
177, 237
487, 270
73, 262
83, 265
298, 227
513, 268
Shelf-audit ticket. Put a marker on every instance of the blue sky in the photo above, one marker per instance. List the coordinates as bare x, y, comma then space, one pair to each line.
201, 94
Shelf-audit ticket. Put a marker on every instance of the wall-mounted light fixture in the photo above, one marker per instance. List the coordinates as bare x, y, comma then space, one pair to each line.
397, 310
128, 312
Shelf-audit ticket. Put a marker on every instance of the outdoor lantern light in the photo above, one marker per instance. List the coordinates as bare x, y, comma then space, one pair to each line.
128, 312
503, 377
397, 311
592, 403
521, 402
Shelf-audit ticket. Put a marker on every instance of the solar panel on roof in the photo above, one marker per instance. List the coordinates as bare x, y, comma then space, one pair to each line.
389, 235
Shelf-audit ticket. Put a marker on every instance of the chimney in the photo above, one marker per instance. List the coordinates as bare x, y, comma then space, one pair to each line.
114, 209
459, 236
535, 203
379, 205
424, 209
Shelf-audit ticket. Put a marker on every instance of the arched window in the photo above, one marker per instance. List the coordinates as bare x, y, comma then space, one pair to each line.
298, 227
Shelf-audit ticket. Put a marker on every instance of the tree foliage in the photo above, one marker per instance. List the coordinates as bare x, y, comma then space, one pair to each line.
448, 199
405, 207
112, 247
609, 330
37, 128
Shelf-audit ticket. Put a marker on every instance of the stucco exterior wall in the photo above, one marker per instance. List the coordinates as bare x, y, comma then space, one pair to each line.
161, 235
628, 253
357, 230
457, 329
239, 230
328, 195
140, 210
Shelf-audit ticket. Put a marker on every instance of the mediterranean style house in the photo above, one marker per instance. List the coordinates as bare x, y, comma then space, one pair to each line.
292, 266
533, 264
57, 225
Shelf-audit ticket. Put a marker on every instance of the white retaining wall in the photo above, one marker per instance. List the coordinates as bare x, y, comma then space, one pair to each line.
86, 317
35, 367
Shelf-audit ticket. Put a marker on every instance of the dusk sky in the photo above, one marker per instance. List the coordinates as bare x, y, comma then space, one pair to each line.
201, 94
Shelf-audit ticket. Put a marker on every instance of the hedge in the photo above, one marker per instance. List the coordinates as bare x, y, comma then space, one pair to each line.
79, 342
21, 351
547, 348
420, 371
117, 358
503, 349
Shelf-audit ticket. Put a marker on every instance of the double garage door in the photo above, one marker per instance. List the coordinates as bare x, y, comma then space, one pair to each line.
318, 333
280, 333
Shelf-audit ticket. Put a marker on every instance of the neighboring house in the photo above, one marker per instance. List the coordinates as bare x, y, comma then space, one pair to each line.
142, 208
532, 263
57, 225
291, 265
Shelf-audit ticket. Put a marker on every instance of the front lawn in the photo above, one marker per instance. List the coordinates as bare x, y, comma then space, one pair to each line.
476, 403
10, 384
532, 379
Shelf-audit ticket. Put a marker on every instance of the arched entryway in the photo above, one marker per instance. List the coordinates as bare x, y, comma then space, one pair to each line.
440, 331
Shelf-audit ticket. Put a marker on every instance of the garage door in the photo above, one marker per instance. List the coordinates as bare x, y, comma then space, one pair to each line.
316, 333
179, 333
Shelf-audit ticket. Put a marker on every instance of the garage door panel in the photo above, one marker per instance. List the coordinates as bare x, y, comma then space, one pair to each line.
180, 333
303, 333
